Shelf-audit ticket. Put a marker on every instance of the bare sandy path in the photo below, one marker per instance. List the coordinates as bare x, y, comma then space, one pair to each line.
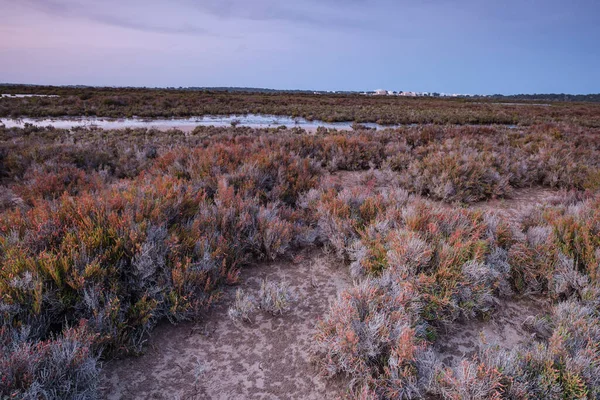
220, 359
505, 329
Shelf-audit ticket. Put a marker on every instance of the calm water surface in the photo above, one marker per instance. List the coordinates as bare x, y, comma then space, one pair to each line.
250, 120
188, 124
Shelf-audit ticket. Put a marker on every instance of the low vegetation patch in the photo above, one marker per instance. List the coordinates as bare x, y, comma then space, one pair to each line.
272, 298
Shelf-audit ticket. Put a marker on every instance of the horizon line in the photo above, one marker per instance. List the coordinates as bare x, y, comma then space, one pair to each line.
251, 89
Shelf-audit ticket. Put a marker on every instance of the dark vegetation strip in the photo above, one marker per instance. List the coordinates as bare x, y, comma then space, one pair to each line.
129, 102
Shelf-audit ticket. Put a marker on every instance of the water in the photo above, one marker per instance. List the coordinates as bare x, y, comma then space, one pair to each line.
28, 95
250, 120
188, 124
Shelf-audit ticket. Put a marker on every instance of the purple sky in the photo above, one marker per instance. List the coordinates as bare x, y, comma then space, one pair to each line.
452, 46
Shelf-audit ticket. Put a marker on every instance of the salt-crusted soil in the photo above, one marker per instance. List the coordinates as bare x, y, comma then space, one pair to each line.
505, 328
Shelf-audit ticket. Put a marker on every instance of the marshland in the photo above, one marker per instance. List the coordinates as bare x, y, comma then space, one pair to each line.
453, 256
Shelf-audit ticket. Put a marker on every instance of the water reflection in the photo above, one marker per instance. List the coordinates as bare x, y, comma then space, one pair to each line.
19, 96
188, 124
250, 120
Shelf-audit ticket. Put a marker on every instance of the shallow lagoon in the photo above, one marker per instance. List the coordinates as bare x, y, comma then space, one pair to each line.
249, 120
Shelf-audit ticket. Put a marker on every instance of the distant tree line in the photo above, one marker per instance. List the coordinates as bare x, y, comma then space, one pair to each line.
550, 97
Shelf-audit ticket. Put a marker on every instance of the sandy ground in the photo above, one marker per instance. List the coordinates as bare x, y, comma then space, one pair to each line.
505, 329
219, 359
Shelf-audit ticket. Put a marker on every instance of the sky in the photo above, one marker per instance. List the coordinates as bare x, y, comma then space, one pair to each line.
448, 46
